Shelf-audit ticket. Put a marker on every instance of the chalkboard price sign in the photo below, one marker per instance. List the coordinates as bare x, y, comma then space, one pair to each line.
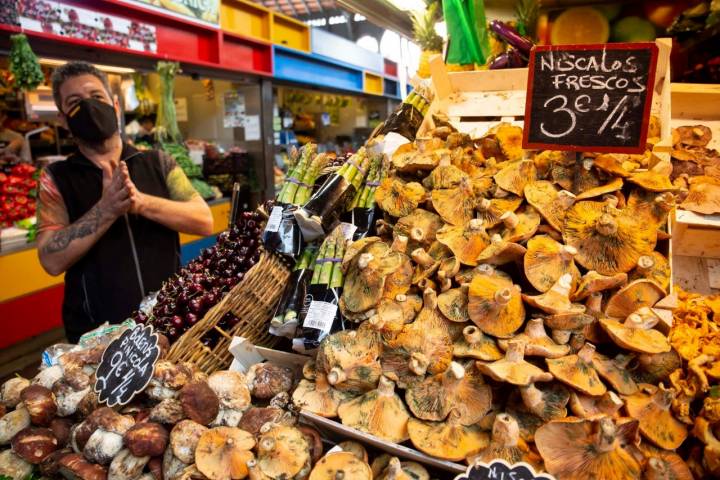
127, 365
499, 469
590, 97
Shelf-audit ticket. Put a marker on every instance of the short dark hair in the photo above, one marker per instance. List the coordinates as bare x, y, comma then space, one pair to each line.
75, 69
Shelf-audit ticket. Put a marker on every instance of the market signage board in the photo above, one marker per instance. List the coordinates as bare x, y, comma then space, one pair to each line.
590, 97
501, 470
127, 365
205, 11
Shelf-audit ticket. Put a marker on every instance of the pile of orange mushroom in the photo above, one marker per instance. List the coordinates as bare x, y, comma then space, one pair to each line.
696, 169
506, 309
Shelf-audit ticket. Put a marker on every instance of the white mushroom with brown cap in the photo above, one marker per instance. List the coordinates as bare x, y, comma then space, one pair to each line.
48, 376
234, 395
167, 380
10, 391
126, 466
13, 466
184, 439
67, 397
12, 422
106, 440
265, 380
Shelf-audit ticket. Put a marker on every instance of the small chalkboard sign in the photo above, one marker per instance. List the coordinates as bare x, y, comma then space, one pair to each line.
499, 469
127, 365
590, 97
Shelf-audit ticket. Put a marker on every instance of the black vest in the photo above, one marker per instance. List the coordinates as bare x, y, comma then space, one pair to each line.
103, 285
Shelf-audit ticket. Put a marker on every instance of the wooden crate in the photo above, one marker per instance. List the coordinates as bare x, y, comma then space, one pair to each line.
696, 238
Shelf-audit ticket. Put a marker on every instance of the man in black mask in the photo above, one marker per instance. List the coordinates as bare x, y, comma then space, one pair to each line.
109, 215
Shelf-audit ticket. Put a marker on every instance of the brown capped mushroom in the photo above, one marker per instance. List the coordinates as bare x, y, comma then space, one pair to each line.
521, 225
474, 344
593, 282
73, 466
107, 438
500, 252
515, 176
146, 439
222, 453
231, 389
283, 452
318, 397
505, 444
172, 467
40, 404
11, 389
397, 197
490, 210
379, 412
33, 444
255, 418
341, 465
589, 448
495, 305
615, 371
168, 378
547, 401
184, 439
466, 242
126, 466
268, 379
199, 402
653, 267
607, 240
461, 388
68, 399
692, 135
537, 343
702, 198
657, 423
577, 371
547, 260
513, 369
635, 335
450, 440
585, 406
557, 299
168, 412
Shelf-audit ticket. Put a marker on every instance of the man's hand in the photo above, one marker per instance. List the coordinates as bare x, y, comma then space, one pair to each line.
115, 200
137, 198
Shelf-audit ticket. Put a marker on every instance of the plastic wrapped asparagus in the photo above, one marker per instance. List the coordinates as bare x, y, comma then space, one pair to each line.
287, 314
362, 212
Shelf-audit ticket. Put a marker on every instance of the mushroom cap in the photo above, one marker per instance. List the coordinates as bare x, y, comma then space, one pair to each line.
693, 135
254, 418
490, 211
146, 439
650, 208
614, 164
379, 412
73, 465
593, 282
420, 227
634, 296
589, 448
613, 186
515, 176
576, 177
663, 464
607, 240
417, 156
520, 225
652, 181
350, 358
11, 389
222, 453
34, 444
505, 444
356, 448
282, 452
199, 402
546, 261
455, 205
354, 249
184, 439
444, 176
365, 279
550, 203
459, 389
448, 440
397, 197
702, 198
231, 389
474, 344
513, 369
578, 372
509, 138
643, 340
557, 299
466, 242
453, 304
657, 423
40, 404
655, 267
267, 379
399, 281
500, 252
537, 342
568, 321
341, 465
615, 372
318, 397
495, 305
547, 401
585, 406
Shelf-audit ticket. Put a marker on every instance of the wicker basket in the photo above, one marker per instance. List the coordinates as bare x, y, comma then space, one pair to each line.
252, 301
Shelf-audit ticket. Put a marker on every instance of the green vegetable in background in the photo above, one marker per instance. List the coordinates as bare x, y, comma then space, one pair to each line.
167, 129
24, 64
203, 188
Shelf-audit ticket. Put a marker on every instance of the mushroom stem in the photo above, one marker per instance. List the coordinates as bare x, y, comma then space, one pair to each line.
336, 376
417, 234
484, 205
400, 297
562, 286
516, 351
485, 269
657, 469
476, 224
445, 285
500, 193
644, 318
587, 163
594, 302
400, 244
561, 337
665, 201
535, 328
510, 219
418, 364
376, 322
532, 397
565, 199
496, 239
267, 443
429, 299
568, 251
577, 341
422, 257
606, 225
426, 283
386, 387
611, 200
503, 296
663, 397
456, 370
605, 441
645, 263
506, 431
472, 334
586, 352
364, 260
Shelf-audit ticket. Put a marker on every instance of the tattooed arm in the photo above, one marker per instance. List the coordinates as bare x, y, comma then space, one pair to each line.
184, 212
61, 245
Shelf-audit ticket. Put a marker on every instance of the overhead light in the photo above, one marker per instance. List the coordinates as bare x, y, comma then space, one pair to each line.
105, 68
406, 5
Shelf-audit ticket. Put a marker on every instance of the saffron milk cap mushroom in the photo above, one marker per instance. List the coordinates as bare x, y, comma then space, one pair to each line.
449, 440
341, 466
537, 342
495, 305
222, 453
513, 369
490, 210
520, 225
549, 202
547, 260
515, 176
593, 282
657, 423
500, 252
557, 299
397, 197
283, 452
636, 336
466, 242
474, 344
577, 371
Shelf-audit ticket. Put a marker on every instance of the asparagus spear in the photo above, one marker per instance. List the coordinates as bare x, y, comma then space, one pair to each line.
318, 263
326, 268
336, 278
308, 180
308, 151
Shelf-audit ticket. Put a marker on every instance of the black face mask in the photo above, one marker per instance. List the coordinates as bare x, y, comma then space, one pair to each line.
92, 120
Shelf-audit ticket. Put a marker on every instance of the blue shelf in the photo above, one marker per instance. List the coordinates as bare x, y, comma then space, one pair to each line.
296, 66
391, 88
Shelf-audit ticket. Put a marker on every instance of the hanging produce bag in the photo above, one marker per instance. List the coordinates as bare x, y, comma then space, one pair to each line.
167, 129
462, 18
362, 212
282, 234
287, 314
24, 64
406, 120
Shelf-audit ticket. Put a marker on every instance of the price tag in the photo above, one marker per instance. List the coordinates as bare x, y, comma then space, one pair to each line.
320, 315
501, 470
590, 97
273, 223
127, 365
